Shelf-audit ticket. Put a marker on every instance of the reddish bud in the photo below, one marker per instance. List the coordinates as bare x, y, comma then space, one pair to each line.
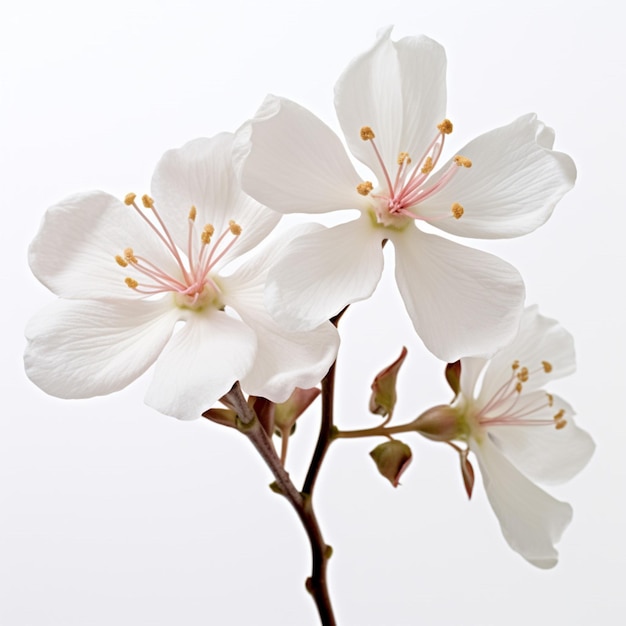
383, 398
392, 458
265, 410
453, 376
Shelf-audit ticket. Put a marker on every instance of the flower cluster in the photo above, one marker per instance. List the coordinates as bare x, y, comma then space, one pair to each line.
192, 281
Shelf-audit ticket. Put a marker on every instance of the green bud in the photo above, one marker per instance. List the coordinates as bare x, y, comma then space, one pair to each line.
383, 398
392, 458
440, 423
286, 413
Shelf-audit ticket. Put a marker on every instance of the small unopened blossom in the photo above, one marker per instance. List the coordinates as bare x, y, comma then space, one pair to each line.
146, 281
391, 105
519, 432
384, 397
392, 459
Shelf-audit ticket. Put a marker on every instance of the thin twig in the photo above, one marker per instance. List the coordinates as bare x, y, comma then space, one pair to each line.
250, 426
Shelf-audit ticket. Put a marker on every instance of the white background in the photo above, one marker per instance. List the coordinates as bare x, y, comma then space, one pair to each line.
113, 514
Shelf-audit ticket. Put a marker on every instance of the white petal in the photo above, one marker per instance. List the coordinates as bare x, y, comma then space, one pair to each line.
80, 349
399, 90
74, 251
461, 301
471, 369
285, 359
293, 163
369, 93
545, 453
423, 75
539, 339
201, 174
531, 520
512, 187
320, 273
200, 364
252, 273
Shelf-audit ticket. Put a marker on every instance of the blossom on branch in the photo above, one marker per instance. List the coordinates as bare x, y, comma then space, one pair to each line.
391, 105
142, 282
519, 433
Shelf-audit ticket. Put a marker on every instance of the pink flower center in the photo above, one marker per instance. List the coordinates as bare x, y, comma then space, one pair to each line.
507, 405
402, 192
191, 284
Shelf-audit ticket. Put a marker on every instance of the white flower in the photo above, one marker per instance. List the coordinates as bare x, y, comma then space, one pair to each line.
391, 104
520, 433
127, 275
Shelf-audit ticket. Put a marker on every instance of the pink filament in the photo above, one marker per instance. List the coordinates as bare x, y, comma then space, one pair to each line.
194, 277
408, 189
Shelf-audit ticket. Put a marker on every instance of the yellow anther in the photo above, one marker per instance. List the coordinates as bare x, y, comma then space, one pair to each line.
192, 213
561, 424
129, 256
428, 166
518, 387
547, 367
522, 375
364, 188
129, 199
457, 210
515, 365
148, 202
131, 282
445, 128
404, 157
550, 399
558, 416
462, 161
207, 233
120, 261
367, 133
234, 228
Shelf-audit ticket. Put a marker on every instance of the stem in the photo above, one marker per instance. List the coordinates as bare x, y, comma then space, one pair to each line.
378, 431
326, 428
251, 427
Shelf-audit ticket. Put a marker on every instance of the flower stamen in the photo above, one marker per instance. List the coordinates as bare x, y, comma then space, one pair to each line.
457, 210
445, 127
501, 408
365, 187
407, 189
194, 278
462, 161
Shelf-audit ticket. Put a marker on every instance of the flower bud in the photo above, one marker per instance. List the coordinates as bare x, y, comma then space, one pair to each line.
392, 458
439, 423
286, 413
383, 398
